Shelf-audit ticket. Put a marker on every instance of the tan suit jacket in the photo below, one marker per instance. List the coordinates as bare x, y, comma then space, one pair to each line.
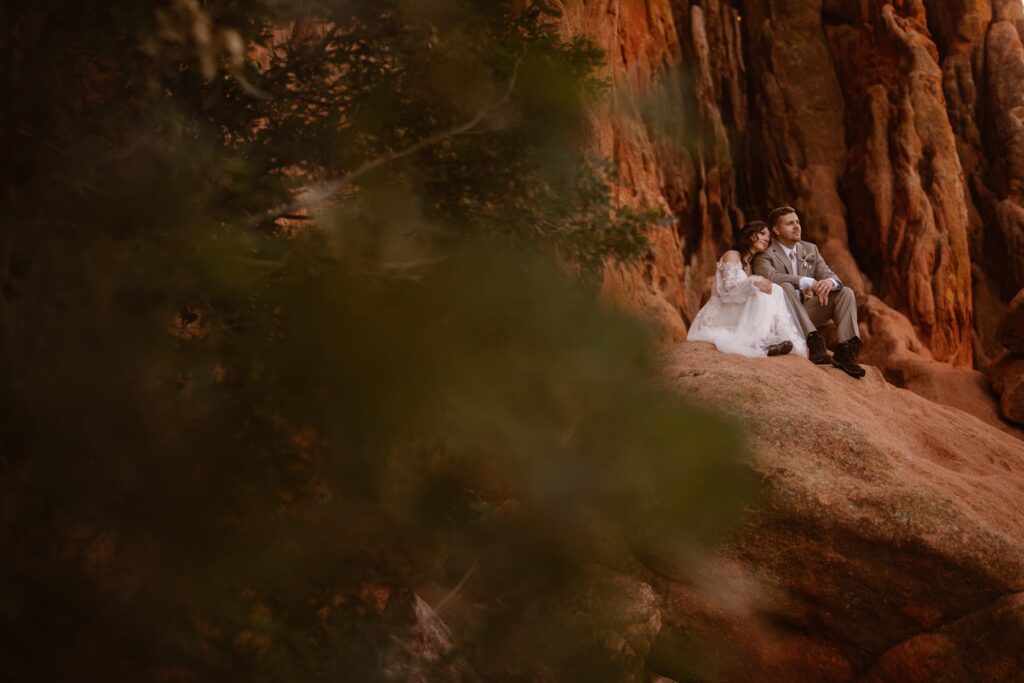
772, 264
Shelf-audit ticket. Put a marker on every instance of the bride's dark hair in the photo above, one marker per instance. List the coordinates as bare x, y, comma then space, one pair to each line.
745, 237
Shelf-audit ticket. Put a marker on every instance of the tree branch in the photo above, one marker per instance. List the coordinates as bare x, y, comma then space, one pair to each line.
332, 187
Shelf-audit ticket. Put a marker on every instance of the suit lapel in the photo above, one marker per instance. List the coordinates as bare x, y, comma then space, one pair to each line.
780, 258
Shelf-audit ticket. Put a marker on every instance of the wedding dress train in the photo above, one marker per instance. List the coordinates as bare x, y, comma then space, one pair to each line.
739, 318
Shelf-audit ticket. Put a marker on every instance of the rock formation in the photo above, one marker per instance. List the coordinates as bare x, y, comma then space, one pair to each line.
905, 183
888, 539
953, 653
1007, 371
893, 126
641, 46
888, 545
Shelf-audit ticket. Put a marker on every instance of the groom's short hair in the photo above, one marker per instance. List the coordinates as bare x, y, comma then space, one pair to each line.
776, 215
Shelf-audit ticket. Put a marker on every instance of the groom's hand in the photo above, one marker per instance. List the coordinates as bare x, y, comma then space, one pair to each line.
821, 289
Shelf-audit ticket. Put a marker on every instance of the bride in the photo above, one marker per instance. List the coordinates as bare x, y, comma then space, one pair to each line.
747, 314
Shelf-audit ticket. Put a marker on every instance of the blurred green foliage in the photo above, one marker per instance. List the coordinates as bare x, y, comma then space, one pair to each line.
235, 447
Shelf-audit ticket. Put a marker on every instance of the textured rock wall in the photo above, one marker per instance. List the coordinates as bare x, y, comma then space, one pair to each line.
672, 66
896, 127
797, 151
642, 48
904, 182
982, 64
716, 119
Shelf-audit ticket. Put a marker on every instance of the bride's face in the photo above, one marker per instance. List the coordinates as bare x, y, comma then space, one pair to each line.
760, 242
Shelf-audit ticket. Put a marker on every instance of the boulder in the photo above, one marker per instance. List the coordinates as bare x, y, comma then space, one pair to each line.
985, 645
883, 517
891, 344
1008, 379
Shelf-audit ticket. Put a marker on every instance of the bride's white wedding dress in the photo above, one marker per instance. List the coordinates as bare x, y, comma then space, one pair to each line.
739, 318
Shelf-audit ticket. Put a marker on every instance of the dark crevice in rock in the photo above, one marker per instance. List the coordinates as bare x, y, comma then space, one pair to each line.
887, 572
944, 625
943, 19
995, 176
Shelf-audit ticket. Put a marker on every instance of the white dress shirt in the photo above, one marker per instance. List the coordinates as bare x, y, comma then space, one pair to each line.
805, 282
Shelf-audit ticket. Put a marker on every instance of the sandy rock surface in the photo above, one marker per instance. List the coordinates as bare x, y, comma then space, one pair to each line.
885, 517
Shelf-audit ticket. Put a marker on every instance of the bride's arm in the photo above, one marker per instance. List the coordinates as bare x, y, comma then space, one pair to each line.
731, 283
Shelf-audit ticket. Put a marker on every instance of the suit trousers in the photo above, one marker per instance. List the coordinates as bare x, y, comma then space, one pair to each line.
810, 314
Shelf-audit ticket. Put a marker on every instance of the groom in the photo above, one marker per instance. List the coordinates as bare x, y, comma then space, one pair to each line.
814, 292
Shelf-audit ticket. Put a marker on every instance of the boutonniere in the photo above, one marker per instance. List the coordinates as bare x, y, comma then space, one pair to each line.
805, 261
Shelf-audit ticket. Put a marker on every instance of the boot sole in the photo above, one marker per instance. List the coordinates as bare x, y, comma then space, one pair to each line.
855, 373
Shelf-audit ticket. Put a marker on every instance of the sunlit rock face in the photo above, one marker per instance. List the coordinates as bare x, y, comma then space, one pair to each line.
642, 48
895, 128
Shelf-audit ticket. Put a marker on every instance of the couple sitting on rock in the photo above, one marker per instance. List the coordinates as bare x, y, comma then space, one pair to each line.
770, 296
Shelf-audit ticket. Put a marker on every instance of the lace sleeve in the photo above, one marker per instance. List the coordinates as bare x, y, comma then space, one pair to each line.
732, 284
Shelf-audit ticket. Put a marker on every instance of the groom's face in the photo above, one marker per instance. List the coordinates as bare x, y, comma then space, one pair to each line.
787, 229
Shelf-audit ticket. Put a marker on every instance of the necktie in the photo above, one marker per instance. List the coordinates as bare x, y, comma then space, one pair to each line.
792, 262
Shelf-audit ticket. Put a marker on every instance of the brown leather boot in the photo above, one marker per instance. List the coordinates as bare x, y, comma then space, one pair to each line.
845, 358
780, 349
816, 350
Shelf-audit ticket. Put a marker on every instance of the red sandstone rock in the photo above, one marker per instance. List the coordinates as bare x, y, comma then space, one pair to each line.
968, 390
884, 517
1008, 380
989, 310
1007, 373
713, 68
641, 45
1004, 62
888, 336
764, 115
1011, 327
799, 145
983, 79
905, 178
891, 344
986, 645
890, 125
918, 132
